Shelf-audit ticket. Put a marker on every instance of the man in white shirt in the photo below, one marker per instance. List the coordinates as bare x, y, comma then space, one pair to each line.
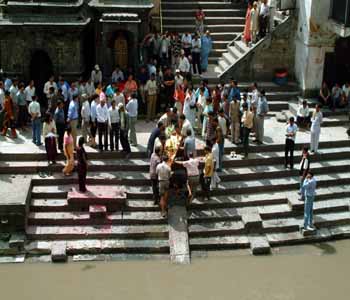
90, 88
263, 18
48, 84
102, 117
184, 64
151, 91
2, 96
185, 126
96, 75
114, 126
132, 109
272, 5
29, 92
196, 54
186, 41
179, 80
291, 131
117, 74
118, 97
303, 115
85, 117
34, 111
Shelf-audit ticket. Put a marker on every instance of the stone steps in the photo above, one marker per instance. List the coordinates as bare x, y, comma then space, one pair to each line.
209, 13
231, 28
195, 4
72, 218
97, 232
100, 246
210, 20
232, 187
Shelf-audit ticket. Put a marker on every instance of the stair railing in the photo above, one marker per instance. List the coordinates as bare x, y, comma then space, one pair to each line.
161, 16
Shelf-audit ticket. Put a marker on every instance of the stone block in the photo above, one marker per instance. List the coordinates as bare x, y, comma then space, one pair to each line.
12, 259
178, 235
59, 251
252, 221
111, 196
38, 248
259, 245
98, 211
17, 241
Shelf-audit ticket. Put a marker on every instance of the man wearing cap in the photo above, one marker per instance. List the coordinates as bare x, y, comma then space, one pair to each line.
179, 80
124, 128
96, 75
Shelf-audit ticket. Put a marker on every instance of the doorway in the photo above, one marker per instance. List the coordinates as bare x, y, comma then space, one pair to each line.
40, 70
337, 63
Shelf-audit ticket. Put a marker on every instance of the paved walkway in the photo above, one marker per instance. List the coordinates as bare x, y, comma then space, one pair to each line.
274, 134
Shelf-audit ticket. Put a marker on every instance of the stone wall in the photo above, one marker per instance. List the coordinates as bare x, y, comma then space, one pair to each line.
64, 49
275, 53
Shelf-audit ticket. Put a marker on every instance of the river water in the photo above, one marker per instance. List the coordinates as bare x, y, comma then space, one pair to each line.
303, 272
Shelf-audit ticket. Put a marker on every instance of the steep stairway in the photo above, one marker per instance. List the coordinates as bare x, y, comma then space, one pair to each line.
224, 20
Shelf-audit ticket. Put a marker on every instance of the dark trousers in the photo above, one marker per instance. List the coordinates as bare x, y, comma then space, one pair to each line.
22, 116
51, 148
187, 51
263, 25
303, 121
114, 136
60, 132
245, 140
155, 189
124, 140
102, 133
93, 128
82, 170
196, 62
289, 151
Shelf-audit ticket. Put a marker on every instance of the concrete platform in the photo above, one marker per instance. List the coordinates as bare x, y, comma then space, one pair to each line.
110, 196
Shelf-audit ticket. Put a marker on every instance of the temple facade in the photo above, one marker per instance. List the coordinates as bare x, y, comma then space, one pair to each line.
40, 38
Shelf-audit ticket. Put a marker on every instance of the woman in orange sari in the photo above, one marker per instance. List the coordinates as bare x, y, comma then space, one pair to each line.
246, 32
68, 144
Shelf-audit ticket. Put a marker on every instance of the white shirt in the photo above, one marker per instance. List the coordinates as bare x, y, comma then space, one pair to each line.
13, 93
90, 88
48, 85
64, 92
117, 75
132, 107
191, 166
151, 87
190, 100
196, 45
223, 125
96, 76
34, 108
102, 113
30, 93
113, 115
215, 151
346, 90
303, 112
264, 10
179, 80
185, 127
163, 171
316, 121
119, 99
186, 41
86, 111
184, 65
291, 129
2, 97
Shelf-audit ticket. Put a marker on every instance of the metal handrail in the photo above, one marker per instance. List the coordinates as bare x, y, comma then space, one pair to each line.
161, 16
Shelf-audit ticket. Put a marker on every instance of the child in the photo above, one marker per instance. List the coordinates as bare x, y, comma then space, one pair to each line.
82, 165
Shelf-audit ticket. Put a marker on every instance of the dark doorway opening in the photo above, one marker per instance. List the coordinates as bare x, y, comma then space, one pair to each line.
337, 64
40, 70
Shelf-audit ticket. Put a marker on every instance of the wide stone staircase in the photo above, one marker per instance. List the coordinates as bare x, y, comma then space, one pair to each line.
224, 20
256, 205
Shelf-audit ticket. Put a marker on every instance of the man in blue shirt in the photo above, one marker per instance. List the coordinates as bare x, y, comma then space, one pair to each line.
73, 116
60, 123
235, 93
308, 192
261, 111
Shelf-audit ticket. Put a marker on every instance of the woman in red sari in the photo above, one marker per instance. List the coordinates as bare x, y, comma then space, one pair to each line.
246, 32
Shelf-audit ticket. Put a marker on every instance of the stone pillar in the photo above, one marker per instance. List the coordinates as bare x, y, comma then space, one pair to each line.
314, 39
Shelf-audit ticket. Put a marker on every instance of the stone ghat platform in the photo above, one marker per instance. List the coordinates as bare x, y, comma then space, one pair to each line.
255, 207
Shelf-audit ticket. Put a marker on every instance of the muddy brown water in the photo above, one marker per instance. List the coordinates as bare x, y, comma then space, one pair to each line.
303, 272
